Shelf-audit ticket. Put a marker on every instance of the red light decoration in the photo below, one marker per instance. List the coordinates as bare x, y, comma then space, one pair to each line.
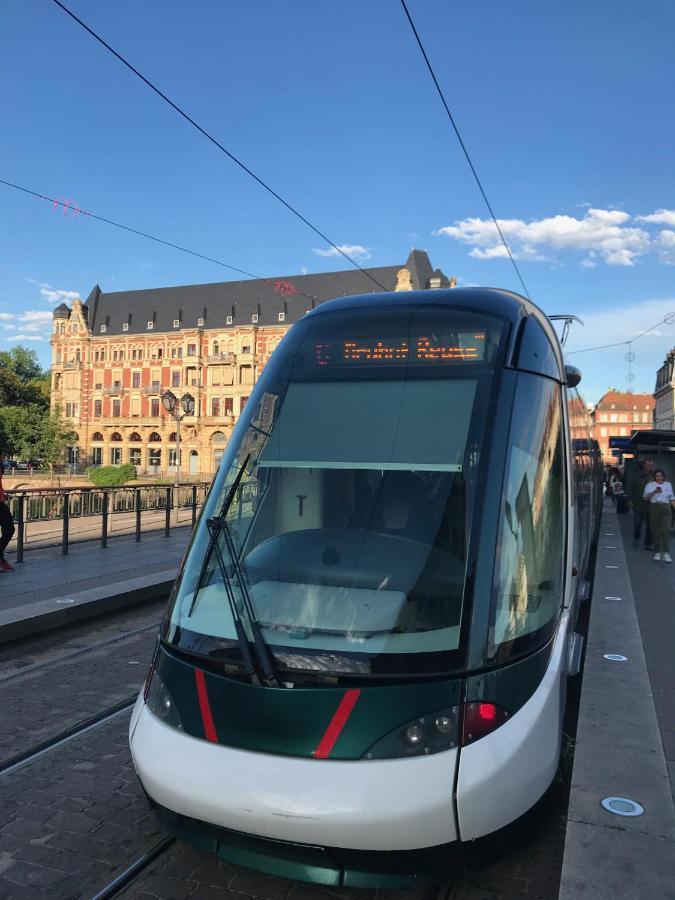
285, 288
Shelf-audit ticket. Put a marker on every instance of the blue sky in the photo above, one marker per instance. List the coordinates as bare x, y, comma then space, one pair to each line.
565, 110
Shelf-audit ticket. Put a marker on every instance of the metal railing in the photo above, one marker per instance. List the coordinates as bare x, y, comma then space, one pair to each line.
48, 505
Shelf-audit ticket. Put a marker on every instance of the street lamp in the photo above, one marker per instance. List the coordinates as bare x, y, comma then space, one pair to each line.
173, 406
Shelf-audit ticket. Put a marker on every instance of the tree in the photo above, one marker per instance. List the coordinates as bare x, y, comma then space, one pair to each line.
22, 361
29, 433
22, 381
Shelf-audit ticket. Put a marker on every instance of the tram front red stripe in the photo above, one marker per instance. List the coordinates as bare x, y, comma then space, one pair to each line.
205, 707
337, 723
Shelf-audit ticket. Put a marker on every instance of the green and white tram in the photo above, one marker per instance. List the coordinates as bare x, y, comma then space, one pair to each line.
362, 671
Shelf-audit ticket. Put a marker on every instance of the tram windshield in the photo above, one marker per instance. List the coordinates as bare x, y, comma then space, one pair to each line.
340, 517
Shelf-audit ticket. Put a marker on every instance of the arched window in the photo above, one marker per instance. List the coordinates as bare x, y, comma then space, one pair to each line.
134, 436
155, 438
216, 348
97, 436
115, 436
218, 437
173, 437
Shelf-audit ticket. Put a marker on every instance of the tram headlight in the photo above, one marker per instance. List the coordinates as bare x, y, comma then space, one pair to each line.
430, 733
159, 703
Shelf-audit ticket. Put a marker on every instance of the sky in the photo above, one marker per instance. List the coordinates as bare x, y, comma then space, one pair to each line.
566, 110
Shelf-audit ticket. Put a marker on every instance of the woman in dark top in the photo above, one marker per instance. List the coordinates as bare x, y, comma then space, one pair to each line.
6, 525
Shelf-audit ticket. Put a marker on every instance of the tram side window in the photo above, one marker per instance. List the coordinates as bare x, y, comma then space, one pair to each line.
528, 580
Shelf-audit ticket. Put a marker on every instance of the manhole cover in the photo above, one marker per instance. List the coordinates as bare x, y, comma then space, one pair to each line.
615, 657
610, 597
622, 806
65, 600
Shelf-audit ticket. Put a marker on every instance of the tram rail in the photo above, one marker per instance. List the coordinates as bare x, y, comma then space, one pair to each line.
126, 876
25, 758
78, 652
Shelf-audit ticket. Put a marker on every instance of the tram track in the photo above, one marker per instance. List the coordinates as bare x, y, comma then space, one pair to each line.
42, 748
80, 651
127, 875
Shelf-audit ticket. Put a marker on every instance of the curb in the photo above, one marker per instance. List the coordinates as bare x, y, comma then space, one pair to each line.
619, 752
24, 621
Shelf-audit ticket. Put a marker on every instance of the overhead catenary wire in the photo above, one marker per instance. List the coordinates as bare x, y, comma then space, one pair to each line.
462, 145
217, 143
667, 319
144, 234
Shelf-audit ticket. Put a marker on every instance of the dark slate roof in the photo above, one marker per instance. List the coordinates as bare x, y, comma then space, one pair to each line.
61, 311
291, 294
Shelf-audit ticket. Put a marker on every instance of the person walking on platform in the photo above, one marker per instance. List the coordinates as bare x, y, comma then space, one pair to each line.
636, 489
659, 495
6, 524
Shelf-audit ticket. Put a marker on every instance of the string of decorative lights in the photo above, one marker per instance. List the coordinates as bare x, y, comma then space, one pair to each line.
217, 143
66, 205
463, 146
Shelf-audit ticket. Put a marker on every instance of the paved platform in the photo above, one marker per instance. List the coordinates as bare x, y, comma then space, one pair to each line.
49, 589
625, 729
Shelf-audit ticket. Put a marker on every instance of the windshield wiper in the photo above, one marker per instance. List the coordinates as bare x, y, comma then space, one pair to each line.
215, 525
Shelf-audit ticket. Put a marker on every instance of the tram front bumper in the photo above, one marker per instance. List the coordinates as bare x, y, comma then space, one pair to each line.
374, 805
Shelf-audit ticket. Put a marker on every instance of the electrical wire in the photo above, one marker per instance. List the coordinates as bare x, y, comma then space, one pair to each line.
144, 234
666, 318
216, 143
462, 145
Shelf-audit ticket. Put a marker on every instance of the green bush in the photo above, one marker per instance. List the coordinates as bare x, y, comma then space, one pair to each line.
110, 476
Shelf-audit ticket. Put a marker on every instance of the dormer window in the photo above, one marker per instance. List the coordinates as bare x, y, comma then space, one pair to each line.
254, 318
176, 323
103, 328
282, 316
200, 321
151, 325
228, 320
125, 326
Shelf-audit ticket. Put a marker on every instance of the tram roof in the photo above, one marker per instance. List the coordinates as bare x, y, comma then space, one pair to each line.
497, 302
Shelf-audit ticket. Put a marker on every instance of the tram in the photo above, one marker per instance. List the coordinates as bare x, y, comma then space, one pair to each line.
362, 671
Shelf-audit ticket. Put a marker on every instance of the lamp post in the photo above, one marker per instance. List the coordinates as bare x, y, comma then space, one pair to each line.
173, 406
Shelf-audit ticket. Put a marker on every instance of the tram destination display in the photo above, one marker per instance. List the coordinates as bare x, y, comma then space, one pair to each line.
460, 347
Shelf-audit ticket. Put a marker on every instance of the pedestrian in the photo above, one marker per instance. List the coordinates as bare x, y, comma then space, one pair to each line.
659, 495
636, 489
615, 485
6, 524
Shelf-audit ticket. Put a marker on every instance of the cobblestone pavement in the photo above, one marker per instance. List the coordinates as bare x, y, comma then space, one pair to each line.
40, 705
45, 646
72, 817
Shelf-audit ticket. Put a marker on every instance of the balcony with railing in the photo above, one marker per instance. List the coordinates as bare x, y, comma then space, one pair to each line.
72, 364
154, 388
222, 358
113, 391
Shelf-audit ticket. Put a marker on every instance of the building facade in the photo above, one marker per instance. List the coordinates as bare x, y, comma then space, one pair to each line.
664, 395
114, 356
618, 414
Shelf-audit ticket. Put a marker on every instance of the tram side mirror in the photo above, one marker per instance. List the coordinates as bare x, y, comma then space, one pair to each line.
572, 376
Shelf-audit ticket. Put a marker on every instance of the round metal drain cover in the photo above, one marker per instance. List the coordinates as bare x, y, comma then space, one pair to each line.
65, 600
622, 806
615, 657
613, 598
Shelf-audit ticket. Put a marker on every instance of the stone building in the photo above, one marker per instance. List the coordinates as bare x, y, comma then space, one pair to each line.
114, 356
618, 414
664, 395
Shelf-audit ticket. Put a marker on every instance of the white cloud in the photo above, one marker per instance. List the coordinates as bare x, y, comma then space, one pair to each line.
24, 337
7, 317
52, 294
36, 317
602, 231
667, 247
660, 217
356, 251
